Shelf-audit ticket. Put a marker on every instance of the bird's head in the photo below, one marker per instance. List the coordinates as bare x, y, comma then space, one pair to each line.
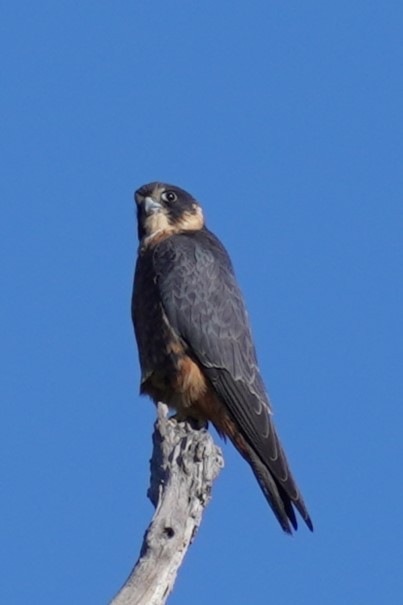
165, 209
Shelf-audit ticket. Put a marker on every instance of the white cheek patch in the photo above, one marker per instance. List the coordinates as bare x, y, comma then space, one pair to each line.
192, 221
155, 223
158, 227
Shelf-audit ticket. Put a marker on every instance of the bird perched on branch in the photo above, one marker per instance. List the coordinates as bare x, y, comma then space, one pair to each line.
194, 340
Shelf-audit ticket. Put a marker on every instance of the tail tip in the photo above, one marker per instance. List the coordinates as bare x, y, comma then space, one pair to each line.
309, 523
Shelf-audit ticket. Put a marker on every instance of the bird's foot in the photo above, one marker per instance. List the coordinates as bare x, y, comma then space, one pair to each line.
195, 423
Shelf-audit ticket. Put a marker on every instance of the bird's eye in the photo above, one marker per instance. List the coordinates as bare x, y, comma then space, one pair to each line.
169, 196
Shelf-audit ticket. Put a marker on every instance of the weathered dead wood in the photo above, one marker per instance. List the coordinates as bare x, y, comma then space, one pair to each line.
184, 464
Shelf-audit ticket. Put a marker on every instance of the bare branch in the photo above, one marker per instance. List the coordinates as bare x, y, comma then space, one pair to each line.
184, 464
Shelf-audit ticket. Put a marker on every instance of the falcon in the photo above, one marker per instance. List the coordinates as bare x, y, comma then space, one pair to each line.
194, 340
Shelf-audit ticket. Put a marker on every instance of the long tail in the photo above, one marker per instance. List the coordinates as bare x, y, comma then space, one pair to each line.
276, 493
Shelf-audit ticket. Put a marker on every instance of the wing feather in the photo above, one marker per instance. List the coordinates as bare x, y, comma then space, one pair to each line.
204, 305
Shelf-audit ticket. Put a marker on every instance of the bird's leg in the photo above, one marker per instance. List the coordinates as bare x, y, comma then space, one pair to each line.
195, 422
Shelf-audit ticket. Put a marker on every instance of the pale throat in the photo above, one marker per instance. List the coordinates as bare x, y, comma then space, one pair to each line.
158, 226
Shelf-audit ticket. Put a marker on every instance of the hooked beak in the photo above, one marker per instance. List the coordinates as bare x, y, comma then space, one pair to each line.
150, 206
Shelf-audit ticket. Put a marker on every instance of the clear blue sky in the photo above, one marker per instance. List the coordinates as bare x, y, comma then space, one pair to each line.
285, 120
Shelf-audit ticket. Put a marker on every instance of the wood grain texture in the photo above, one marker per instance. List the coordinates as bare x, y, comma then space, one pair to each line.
184, 465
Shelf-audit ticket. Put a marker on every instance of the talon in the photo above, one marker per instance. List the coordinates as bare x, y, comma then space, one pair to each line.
195, 423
